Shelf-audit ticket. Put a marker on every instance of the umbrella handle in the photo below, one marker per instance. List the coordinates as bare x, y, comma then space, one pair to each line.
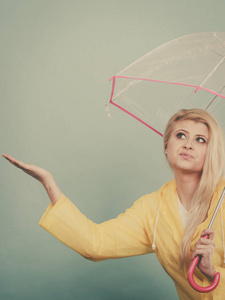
190, 276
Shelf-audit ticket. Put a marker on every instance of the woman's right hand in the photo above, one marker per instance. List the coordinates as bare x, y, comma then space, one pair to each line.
38, 173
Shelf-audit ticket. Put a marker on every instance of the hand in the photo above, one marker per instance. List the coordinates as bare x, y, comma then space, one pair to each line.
36, 172
41, 175
204, 248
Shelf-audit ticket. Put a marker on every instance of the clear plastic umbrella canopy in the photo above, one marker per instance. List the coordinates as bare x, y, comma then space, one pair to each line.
188, 72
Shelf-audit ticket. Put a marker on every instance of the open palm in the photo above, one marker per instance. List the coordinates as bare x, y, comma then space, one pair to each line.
36, 172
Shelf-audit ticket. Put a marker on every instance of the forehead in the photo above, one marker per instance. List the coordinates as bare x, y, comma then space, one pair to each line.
193, 127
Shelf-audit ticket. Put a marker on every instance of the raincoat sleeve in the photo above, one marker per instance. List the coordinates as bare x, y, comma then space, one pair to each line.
219, 292
120, 237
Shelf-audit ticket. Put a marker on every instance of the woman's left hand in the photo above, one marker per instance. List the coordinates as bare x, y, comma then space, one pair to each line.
205, 247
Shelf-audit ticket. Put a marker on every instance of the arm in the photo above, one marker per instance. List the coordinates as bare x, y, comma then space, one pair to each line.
52, 190
120, 237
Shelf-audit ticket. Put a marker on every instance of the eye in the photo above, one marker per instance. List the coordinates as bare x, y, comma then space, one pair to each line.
200, 140
181, 135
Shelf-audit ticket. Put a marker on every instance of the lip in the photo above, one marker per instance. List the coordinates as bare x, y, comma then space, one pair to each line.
186, 156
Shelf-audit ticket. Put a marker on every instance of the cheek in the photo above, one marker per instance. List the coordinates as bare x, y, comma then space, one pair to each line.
173, 147
202, 154
204, 157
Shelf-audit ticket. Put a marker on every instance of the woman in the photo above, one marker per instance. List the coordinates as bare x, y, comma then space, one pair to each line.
170, 222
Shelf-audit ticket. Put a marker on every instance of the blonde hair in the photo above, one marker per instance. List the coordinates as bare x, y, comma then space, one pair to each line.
210, 177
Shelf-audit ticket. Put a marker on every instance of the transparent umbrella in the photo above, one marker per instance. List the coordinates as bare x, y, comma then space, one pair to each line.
188, 72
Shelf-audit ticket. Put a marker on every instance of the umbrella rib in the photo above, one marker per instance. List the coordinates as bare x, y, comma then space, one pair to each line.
214, 98
222, 41
213, 70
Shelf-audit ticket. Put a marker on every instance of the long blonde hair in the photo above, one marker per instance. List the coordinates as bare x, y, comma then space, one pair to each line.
211, 174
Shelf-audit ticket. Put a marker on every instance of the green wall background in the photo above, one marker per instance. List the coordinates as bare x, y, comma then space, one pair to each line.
56, 59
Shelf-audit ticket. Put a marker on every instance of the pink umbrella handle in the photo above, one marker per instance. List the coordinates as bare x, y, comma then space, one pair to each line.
195, 261
190, 276
198, 288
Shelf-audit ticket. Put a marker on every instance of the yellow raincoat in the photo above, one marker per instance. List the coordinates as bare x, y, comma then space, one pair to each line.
152, 224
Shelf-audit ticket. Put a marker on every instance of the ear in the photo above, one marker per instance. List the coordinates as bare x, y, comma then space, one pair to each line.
165, 149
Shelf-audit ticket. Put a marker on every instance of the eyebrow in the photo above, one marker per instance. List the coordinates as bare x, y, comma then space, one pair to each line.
200, 135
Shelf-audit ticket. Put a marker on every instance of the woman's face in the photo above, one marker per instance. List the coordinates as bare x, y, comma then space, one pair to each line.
187, 146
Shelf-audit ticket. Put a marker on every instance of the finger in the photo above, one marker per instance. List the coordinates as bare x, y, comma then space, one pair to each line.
204, 241
202, 253
16, 162
209, 232
8, 157
203, 247
11, 159
207, 252
200, 248
203, 250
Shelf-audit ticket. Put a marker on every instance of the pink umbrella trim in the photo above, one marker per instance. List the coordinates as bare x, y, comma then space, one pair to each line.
153, 80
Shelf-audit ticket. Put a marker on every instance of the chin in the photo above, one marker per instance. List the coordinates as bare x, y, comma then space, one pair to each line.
187, 169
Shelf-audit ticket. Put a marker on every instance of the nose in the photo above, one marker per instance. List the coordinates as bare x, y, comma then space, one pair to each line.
187, 145
189, 148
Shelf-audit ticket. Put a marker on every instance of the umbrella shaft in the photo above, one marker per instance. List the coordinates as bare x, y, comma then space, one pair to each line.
217, 208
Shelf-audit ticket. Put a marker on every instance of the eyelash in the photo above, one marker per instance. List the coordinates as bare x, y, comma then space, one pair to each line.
198, 139
180, 134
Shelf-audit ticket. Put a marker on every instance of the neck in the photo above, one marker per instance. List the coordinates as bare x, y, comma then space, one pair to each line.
187, 185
